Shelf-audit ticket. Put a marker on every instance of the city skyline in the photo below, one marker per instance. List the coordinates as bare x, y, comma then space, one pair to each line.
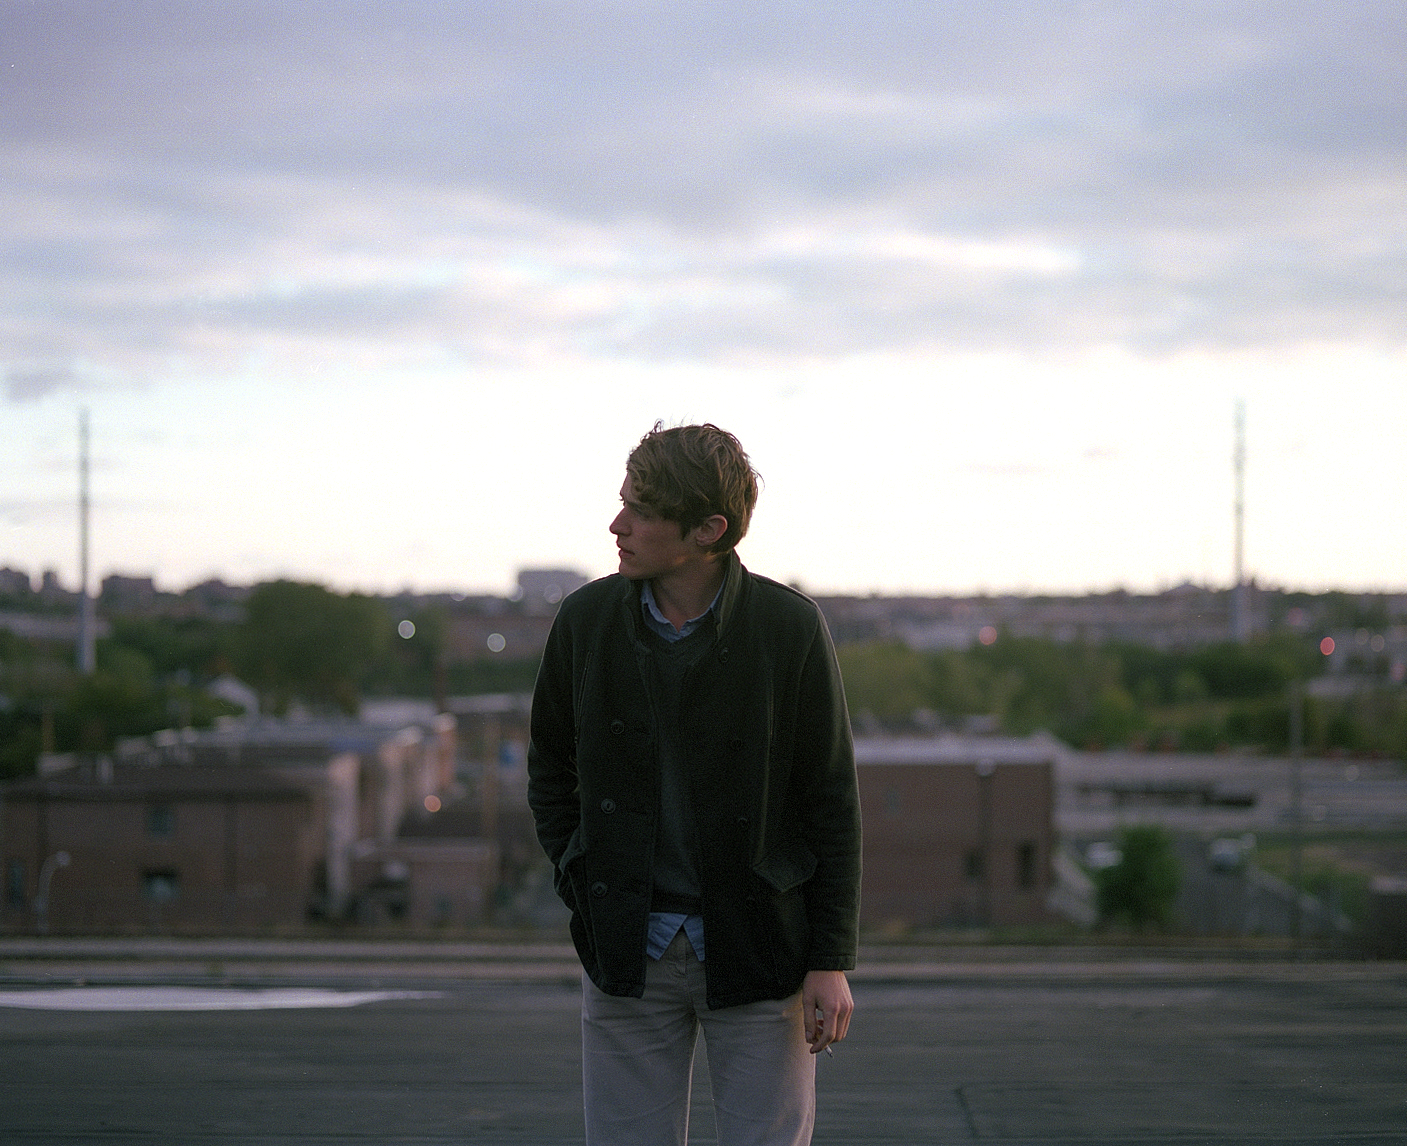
49, 585
381, 296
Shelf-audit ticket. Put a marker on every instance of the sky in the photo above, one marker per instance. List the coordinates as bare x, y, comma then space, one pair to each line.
381, 294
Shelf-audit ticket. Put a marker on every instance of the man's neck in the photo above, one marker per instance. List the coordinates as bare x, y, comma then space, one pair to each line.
685, 593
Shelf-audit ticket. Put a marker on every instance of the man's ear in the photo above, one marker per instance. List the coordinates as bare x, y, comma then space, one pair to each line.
711, 531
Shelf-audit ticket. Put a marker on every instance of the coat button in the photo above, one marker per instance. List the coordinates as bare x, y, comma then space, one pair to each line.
723, 655
736, 743
617, 727
598, 889
608, 805
743, 822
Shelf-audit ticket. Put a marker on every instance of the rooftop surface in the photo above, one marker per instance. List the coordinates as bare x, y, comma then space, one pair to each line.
205, 1043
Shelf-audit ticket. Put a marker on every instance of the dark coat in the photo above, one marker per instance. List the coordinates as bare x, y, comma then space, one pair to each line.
771, 770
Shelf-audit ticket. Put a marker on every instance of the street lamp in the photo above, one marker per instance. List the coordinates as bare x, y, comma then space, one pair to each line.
41, 897
985, 769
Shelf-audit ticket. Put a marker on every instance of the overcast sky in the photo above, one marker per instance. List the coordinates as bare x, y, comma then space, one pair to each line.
381, 294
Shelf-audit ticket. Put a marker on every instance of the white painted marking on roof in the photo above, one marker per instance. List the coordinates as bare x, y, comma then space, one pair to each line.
195, 998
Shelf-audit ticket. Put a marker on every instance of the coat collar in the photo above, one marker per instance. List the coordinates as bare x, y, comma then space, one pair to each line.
734, 581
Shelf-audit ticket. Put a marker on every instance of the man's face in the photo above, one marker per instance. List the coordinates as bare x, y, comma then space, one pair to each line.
649, 545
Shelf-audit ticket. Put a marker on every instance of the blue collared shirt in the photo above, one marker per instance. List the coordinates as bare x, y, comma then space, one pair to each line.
660, 624
665, 925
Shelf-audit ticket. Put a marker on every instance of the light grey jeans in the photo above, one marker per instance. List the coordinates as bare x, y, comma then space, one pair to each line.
638, 1061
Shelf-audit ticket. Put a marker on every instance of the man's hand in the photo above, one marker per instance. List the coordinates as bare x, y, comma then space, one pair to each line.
826, 1006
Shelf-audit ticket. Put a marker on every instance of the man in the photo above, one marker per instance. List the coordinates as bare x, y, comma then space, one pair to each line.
692, 778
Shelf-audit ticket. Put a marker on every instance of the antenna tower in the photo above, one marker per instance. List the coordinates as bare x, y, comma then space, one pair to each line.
1239, 624
87, 621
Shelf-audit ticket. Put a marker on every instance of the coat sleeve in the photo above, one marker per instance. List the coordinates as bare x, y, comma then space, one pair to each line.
552, 764
828, 806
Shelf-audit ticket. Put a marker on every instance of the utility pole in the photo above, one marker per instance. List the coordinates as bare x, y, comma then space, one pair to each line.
1297, 813
87, 620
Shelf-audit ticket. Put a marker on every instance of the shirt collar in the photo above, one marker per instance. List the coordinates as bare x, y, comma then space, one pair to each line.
660, 624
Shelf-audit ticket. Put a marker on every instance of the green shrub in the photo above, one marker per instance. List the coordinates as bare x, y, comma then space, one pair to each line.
1140, 890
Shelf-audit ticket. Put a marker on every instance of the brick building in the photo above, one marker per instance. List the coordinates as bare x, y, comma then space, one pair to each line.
958, 831
423, 882
254, 826
154, 847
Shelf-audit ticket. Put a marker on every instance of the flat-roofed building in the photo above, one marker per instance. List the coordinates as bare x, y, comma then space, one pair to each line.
958, 831
167, 846
256, 825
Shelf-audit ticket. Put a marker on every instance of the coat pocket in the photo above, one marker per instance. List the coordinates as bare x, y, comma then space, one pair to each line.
786, 867
562, 873
781, 924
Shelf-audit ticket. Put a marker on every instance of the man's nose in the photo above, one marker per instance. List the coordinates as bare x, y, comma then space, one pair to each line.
618, 525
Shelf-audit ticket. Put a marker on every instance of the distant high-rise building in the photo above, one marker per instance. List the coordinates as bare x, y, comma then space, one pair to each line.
51, 588
15, 583
541, 590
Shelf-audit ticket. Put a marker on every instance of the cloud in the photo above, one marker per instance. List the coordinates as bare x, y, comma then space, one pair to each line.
32, 384
192, 188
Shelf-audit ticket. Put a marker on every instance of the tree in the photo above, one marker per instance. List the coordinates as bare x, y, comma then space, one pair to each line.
303, 641
1233, 671
886, 680
1141, 889
1075, 690
197, 646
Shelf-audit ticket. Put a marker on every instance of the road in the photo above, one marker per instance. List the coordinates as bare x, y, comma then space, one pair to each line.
1222, 794
1007, 1048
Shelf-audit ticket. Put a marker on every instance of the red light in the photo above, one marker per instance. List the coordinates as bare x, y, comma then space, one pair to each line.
1326, 646
987, 635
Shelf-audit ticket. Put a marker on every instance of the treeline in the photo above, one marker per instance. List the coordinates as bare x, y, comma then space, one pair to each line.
299, 644
1117, 695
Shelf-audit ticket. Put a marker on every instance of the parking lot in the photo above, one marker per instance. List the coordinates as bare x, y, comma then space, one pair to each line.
948, 1047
